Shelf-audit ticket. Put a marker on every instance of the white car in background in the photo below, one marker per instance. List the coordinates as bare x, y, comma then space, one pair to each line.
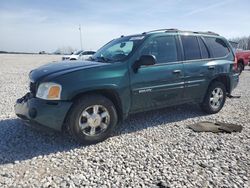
73, 56
79, 55
85, 55
66, 57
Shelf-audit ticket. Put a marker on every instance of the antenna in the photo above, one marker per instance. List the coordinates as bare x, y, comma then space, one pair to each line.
80, 35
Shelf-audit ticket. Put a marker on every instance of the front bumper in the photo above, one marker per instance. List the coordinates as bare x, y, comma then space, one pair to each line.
41, 112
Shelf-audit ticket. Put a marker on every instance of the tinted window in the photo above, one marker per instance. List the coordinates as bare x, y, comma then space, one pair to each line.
118, 49
204, 50
191, 47
163, 48
217, 46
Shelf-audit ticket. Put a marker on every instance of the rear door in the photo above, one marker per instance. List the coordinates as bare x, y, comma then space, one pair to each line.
197, 67
160, 84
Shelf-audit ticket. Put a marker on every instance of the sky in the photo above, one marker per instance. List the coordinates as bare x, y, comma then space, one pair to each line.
36, 25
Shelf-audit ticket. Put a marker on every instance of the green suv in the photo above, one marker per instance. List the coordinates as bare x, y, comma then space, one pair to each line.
130, 74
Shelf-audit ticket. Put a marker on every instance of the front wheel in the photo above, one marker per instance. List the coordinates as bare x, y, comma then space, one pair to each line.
215, 98
92, 119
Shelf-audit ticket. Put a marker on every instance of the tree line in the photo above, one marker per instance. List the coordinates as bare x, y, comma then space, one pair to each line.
243, 42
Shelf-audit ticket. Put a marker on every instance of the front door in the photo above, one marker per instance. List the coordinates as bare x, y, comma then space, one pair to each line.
161, 84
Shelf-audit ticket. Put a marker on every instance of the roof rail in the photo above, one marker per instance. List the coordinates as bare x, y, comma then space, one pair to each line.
159, 30
208, 32
200, 32
181, 31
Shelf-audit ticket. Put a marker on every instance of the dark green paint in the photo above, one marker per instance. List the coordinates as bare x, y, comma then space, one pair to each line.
150, 88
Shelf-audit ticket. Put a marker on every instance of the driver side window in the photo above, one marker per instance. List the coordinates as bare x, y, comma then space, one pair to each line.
163, 48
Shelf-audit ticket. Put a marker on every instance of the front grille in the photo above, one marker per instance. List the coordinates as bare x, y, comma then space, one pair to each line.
32, 88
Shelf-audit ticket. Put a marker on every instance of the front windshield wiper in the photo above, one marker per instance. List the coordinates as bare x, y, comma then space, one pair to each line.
103, 59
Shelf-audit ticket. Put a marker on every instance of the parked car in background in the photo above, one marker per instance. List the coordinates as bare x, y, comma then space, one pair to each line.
79, 55
130, 74
75, 55
85, 55
42, 52
243, 59
242, 56
66, 57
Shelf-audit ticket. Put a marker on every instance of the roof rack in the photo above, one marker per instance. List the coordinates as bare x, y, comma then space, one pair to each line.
207, 32
180, 31
163, 30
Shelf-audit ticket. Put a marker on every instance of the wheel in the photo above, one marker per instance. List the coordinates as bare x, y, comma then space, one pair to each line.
240, 67
215, 98
92, 119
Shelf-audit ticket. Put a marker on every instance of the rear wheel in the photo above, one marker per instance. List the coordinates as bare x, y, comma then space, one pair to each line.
92, 119
215, 98
240, 67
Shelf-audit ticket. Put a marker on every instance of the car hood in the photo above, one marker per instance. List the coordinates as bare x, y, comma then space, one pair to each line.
61, 67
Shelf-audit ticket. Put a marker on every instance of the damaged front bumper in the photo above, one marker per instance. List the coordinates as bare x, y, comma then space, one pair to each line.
39, 112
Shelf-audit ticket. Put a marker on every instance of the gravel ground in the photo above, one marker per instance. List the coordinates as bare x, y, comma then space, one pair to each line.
153, 149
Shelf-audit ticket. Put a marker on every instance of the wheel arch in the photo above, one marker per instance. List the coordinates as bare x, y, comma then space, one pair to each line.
111, 94
224, 79
241, 61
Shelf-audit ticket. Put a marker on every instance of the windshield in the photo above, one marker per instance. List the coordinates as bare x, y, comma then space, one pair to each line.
77, 52
118, 49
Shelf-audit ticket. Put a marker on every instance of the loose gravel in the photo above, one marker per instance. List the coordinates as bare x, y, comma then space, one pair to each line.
153, 149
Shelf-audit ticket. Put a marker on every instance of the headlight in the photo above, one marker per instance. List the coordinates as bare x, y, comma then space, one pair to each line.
49, 91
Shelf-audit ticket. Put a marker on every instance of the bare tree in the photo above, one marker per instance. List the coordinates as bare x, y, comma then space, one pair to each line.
243, 42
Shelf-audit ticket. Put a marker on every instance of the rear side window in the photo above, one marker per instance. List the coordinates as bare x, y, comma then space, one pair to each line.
217, 46
191, 47
204, 50
163, 48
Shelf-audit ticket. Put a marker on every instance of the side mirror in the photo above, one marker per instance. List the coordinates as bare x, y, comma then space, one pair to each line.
144, 60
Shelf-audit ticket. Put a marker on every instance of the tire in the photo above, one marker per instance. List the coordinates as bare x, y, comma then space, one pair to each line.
216, 91
83, 118
240, 67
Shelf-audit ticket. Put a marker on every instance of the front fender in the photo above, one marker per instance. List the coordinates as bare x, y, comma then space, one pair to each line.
114, 77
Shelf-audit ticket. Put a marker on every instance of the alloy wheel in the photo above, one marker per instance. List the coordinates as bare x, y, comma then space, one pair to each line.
216, 98
94, 120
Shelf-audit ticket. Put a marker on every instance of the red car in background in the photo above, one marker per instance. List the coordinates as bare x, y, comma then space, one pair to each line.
242, 56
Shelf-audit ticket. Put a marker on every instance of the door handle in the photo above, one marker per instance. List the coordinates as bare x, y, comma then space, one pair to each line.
176, 71
211, 67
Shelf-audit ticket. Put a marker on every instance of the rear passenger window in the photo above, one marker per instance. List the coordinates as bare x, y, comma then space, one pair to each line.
217, 46
191, 47
163, 48
204, 50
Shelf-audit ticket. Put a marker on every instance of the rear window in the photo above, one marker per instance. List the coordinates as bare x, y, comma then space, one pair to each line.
217, 46
191, 47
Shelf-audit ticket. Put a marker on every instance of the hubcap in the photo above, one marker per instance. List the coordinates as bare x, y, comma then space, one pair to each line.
94, 120
216, 98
